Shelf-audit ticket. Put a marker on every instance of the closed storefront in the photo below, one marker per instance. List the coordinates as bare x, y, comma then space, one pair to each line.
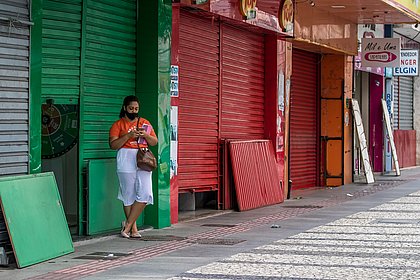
304, 120
221, 95
198, 103
403, 103
242, 84
404, 133
14, 87
88, 51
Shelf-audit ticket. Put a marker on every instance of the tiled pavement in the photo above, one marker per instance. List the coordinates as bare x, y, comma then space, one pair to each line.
357, 231
381, 243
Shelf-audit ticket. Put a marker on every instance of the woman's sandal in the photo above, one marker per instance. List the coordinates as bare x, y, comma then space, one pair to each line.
124, 234
135, 235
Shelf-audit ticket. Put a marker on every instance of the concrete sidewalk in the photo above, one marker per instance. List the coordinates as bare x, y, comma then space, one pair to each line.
169, 252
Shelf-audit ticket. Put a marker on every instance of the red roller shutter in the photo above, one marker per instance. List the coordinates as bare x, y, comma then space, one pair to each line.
303, 120
242, 55
198, 103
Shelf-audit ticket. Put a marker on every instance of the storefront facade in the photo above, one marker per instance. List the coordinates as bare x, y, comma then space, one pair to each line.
403, 103
232, 78
87, 56
320, 116
229, 72
329, 31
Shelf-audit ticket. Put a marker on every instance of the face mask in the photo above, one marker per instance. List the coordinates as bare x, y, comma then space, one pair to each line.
131, 116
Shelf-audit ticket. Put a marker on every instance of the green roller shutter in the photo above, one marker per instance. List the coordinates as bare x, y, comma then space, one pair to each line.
61, 36
108, 71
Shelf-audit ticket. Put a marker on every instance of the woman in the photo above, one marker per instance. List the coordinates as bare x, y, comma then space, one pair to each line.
126, 135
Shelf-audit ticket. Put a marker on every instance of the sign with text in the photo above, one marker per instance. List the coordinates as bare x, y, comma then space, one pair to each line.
409, 64
381, 52
174, 80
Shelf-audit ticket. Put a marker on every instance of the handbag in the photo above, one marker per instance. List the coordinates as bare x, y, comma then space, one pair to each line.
145, 158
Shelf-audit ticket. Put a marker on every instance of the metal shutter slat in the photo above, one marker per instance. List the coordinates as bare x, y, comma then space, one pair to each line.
14, 89
403, 103
109, 70
303, 142
198, 103
242, 84
61, 38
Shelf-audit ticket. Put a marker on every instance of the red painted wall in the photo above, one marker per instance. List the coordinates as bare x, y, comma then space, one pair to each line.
174, 102
274, 118
376, 133
405, 144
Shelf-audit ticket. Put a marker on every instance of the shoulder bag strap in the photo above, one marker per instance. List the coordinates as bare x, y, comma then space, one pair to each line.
137, 126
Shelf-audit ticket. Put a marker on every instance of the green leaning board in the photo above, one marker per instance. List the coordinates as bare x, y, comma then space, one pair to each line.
35, 218
105, 211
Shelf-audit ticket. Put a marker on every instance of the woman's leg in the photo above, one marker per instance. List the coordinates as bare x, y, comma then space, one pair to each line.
134, 214
127, 211
144, 196
127, 193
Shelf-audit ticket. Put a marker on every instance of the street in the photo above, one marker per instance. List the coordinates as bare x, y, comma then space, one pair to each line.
356, 231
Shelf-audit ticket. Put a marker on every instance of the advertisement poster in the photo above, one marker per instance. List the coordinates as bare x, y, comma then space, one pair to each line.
174, 141
280, 112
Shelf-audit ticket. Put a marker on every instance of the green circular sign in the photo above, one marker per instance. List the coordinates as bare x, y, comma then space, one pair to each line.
59, 129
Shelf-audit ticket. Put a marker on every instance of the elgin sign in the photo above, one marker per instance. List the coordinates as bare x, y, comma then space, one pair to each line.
409, 64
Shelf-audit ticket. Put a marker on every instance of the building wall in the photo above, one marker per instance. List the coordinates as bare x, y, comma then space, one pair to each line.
336, 76
348, 120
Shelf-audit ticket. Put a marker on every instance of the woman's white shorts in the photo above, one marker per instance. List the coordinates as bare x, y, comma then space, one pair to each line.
135, 186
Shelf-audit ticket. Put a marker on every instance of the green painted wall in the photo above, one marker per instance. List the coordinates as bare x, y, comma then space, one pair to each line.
35, 89
153, 88
108, 74
61, 39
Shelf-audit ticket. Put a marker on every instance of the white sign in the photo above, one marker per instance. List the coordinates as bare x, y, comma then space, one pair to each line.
362, 141
391, 137
174, 142
174, 80
409, 64
381, 52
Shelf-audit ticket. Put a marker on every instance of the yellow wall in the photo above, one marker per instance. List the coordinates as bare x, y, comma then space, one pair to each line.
336, 72
348, 120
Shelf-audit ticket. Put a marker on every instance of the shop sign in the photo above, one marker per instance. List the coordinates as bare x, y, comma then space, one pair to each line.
286, 15
247, 8
409, 64
381, 52
368, 31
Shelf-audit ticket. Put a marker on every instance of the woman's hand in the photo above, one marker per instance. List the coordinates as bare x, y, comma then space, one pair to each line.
115, 143
135, 133
151, 140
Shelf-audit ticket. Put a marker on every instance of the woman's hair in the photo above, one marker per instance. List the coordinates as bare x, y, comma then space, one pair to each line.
127, 100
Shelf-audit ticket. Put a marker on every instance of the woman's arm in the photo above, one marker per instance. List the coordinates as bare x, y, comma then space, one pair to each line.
117, 142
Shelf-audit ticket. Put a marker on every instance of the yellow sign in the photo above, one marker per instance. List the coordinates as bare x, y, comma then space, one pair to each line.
247, 6
286, 15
